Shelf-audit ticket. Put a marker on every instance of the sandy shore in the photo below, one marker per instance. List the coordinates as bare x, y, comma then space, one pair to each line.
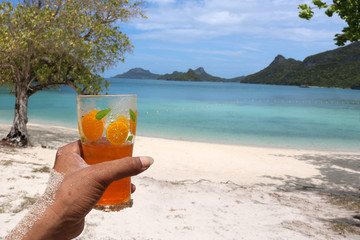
202, 190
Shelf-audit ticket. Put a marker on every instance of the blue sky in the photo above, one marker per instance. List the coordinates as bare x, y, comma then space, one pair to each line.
229, 38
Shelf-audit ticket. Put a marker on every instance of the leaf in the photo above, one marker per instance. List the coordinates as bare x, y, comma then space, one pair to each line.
319, 4
132, 115
100, 115
130, 138
305, 12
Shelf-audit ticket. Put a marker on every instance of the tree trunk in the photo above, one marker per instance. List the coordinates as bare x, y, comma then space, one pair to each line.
18, 134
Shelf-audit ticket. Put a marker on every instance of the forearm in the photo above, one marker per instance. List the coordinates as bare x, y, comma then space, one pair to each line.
47, 227
41, 221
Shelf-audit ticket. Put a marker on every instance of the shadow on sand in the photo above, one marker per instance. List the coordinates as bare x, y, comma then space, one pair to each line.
339, 180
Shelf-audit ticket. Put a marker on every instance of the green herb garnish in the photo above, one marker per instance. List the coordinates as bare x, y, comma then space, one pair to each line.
130, 138
100, 115
132, 115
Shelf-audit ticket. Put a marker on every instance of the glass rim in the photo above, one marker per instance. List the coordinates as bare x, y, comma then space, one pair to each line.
109, 95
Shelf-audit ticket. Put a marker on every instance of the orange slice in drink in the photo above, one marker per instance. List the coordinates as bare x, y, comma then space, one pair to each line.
131, 123
117, 132
123, 119
91, 127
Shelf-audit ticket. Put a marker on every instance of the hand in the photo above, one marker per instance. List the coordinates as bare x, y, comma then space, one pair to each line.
82, 187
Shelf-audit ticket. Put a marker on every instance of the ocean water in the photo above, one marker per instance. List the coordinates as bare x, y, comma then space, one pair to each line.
229, 113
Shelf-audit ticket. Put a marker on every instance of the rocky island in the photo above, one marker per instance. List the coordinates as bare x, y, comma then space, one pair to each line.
198, 74
338, 68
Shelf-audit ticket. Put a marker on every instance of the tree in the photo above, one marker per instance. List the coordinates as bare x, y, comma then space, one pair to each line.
348, 10
48, 43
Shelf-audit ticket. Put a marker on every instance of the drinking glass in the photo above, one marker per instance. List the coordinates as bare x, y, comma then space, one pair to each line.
107, 127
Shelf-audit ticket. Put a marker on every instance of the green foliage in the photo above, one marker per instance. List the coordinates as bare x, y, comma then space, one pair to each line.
276, 73
207, 77
138, 73
198, 74
46, 43
348, 10
190, 75
338, 68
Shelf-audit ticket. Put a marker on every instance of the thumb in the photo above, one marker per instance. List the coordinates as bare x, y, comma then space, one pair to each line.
110, 171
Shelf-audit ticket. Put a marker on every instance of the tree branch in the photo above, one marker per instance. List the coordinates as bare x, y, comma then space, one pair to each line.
58, 9
30, 82
71, 84
39, 87
87, 36
47, 60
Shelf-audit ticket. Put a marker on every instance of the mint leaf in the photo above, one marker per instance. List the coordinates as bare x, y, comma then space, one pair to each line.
82, 139
130, 138
100, 115
132, 115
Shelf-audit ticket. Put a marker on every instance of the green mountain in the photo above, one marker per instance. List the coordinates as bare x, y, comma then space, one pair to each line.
335, 68
190, 75
236, 79
198, 74
138, 73
204, 76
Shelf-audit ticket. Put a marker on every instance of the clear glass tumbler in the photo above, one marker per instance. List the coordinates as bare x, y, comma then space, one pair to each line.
107, 127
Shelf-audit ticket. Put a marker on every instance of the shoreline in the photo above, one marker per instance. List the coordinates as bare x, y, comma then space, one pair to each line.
202, 190
180, 160
340, 149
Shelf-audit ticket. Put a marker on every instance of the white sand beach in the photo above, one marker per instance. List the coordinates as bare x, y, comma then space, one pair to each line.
202, 190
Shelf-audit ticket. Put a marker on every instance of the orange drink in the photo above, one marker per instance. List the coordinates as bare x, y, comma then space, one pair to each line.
107, 126
119, 191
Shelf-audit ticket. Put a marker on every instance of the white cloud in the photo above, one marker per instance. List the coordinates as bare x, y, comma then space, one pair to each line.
219, 18
306, 34
227, 53
161, 2
194, 20
197, 31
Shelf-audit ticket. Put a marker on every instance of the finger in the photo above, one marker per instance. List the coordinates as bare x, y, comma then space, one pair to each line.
110, 171
69, 157
133, 188
74, 147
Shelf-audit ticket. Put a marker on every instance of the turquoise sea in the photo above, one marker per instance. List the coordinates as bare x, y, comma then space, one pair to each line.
229, 113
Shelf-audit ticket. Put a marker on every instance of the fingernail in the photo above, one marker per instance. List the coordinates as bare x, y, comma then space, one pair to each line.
146, 162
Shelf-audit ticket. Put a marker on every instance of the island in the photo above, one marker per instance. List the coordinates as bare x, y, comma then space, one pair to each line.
339, 68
